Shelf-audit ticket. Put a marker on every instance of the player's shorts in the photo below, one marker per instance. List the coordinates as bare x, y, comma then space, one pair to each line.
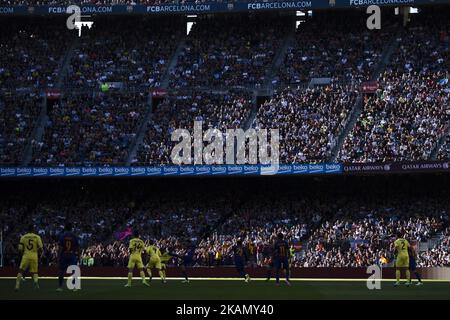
187, 261
66, 261
135, 262
154, 263
412, 264
281, 263
29, 263
402, 261
270, 264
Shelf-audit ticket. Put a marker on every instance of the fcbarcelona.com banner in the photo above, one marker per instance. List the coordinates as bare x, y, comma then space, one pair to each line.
198, 170
210, 7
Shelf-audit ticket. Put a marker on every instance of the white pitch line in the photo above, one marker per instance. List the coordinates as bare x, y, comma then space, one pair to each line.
237, 279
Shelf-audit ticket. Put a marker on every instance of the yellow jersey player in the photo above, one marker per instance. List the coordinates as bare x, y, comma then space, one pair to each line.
154, 255
30, 246
136, 247
401, 247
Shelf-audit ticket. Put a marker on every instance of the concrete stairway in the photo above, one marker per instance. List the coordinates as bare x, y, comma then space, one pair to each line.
38, 130
36, 134
272, 72
357, 108
132, 150
173, 62
442, 140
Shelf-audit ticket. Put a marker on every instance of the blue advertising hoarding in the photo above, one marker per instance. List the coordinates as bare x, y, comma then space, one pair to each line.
170, 170
229, 170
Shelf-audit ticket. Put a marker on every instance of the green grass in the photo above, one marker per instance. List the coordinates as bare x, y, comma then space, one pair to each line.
223, 289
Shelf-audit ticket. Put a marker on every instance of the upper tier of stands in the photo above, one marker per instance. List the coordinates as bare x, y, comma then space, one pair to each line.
218, 73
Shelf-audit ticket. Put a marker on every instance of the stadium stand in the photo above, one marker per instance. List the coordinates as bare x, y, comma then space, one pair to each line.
334, 46
409, 113
86, 129
216, 110
16, 123
326, 226
309, 120
238, 55
390, 127
132, 51
31, 52
444, 151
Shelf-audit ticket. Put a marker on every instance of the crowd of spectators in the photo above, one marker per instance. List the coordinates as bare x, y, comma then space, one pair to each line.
86, 129
367, 239
444, 151
104, 222
407, 116
334, 46
31, 53
18, 115
238, 55
132, 51
222, 111
323, 230
354, 235
309, 120
439, 255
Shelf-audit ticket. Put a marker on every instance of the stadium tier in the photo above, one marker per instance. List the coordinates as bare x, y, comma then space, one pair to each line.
86, 129
222, 111
115, 95
326, 226
310, 120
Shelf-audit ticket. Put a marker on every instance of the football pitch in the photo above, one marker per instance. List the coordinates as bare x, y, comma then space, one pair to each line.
224, 289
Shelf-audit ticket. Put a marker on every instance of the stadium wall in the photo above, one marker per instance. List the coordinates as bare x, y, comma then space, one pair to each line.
208, 7
436, 273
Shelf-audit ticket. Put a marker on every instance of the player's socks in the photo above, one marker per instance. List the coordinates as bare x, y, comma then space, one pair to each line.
162, 275
149, 275
130, 277
277, 277
397, 275
36, 281
247, 278
408, 276
419, 278
144, 281
18, 280
60, 279
185, 275
269, 275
